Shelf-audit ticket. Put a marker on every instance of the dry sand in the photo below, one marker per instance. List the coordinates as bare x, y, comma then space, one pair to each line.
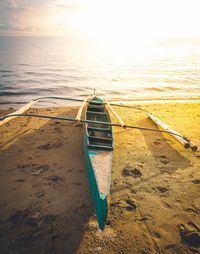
45, 203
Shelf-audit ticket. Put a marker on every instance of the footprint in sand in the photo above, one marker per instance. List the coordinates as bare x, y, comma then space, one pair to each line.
141, 219
50, 145
131, 205
166, 205
162, 189
77, 184
193, 225
196, 181
130, 171
33, 168
32, 218
164, 159
40, 194
58, 130
55, 179
156, 143
117, 203
189, 235
20, 180
193, 210
157, 235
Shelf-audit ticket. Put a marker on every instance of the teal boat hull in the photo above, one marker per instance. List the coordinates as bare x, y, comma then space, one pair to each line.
100, 202
98, 146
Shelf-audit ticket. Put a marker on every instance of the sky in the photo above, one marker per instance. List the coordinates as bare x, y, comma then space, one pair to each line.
112, 19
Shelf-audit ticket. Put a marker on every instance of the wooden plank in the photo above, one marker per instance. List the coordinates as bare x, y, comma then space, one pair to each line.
115, 114
187, 144
78, 116
19, 111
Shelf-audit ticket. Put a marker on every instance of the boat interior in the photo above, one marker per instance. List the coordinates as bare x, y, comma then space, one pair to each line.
99, 136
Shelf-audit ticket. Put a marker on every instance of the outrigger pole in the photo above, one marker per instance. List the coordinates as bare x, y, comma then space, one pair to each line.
108, 106
165, 128
34, 101
78, 116
71, 119
82, 100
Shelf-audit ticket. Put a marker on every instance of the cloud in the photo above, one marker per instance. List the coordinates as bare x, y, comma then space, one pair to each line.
12, 17
13, 3
8, 4
70, 5
20, 15
66, 6
13, 27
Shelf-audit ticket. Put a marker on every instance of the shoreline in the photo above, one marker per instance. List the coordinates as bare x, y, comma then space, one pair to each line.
128, 101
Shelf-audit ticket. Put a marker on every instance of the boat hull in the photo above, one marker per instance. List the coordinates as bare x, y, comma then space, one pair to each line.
99, 199
98, 146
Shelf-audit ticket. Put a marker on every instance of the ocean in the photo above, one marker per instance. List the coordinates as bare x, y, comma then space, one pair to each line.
32, 67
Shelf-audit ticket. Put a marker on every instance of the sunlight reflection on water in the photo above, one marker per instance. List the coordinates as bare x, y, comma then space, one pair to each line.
38, 66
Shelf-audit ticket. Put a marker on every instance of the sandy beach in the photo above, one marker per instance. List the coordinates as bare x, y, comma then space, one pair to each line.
45, 202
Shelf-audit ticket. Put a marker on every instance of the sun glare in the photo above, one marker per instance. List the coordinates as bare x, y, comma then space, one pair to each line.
112, 20
133, 20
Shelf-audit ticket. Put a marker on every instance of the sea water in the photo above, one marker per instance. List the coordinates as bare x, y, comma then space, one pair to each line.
32, 67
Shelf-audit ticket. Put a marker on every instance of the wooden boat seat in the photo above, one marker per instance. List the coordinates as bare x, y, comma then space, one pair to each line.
99, 135
100, 142
99, 129
96, 107
101, 139
101, 147
95, 103
97, 113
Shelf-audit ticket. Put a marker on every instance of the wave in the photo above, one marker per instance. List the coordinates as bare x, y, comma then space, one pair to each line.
30, 73
6, 93
31, 69
10, 75
23, 64
29, 81
165, 88
5, 71
11, 103
11, 91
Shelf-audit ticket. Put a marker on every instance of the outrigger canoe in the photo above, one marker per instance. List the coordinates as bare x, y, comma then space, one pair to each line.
98, 142
98, 146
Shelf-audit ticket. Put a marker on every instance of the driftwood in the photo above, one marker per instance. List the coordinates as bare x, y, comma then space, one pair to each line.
181, 139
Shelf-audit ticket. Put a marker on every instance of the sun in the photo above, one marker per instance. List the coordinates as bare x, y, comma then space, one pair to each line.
135, 20
131, 28
113, 21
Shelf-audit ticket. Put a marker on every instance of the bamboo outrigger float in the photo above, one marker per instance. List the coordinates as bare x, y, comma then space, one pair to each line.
98, 142
182, 140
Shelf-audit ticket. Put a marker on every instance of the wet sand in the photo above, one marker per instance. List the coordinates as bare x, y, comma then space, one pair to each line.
45, 202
